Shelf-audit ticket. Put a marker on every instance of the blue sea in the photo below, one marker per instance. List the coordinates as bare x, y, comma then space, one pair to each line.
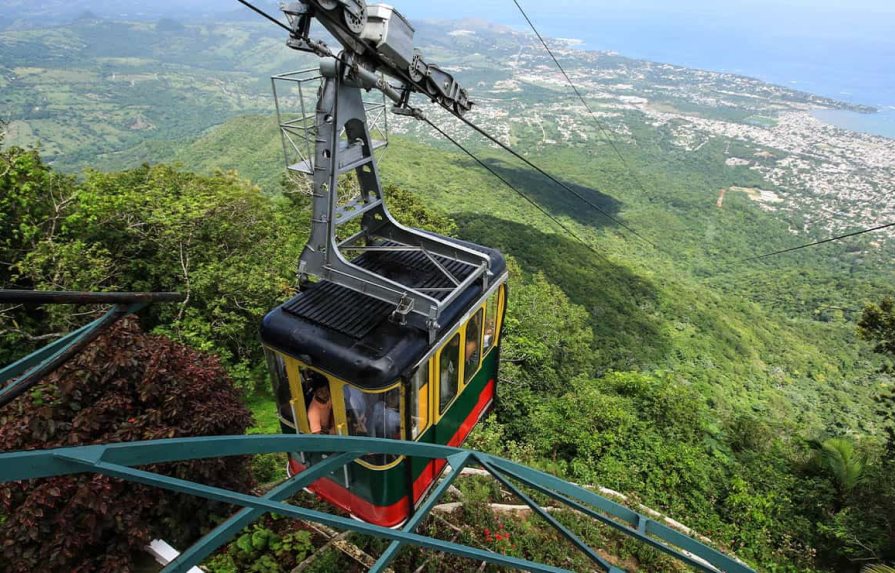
842, 50
882, 123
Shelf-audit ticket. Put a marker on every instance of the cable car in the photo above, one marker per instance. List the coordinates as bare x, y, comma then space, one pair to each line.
396, 332
341, 365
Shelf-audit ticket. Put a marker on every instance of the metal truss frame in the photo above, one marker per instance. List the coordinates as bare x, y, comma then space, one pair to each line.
20, 376
340, 140
119, 461
295, 98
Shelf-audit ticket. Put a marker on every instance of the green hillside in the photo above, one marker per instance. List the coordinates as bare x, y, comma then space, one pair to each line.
731, 393
678, 308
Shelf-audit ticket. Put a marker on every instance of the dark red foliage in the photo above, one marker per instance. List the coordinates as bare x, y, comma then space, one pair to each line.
126, 386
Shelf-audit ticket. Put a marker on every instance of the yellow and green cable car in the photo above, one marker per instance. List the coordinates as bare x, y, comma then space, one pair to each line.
342, 365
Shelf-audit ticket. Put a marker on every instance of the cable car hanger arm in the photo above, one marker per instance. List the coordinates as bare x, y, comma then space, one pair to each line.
375, 39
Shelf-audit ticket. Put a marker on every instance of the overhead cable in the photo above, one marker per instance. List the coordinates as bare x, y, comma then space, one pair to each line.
581, 197
830, 240
261, 12
593, 116
531, 201
504, 146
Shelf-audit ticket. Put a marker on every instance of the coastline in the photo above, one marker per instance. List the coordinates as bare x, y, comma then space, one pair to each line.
880, 122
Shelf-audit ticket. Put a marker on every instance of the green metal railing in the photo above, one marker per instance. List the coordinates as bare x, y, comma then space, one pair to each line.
22, 375
119, 461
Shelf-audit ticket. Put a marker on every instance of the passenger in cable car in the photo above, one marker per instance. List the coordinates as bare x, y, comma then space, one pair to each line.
356, 411
472, 346
450, 371
489, 331
320, 410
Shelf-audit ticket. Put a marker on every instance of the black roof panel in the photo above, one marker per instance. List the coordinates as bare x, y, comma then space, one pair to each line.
339, 308
349, 334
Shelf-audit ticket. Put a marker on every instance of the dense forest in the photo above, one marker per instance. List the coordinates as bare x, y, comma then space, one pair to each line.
752, 400
772, 436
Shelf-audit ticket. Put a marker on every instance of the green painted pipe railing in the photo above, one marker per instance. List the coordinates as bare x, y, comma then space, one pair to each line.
24, 374
117, 460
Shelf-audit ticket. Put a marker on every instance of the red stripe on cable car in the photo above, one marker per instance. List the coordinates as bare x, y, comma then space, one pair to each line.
396, 513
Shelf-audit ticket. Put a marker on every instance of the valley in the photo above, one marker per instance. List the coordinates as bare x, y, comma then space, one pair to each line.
707, 379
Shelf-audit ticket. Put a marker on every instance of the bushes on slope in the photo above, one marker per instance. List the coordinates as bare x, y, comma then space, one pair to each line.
125, 386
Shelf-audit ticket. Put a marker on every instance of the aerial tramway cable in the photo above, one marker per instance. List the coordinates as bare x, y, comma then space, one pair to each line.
593, 116
830, 240
634, 174
581, 197
499, 143
264, 14
543, 211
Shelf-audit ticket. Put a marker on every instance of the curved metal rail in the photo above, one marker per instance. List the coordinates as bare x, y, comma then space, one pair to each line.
24, 374
118, 460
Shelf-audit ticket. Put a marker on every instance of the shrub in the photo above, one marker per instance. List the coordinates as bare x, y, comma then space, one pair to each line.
125, 386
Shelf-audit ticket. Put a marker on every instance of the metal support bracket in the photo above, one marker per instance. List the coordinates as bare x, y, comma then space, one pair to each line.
343, 144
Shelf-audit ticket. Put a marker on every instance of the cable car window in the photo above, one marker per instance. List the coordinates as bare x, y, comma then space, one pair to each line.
385, 415
375, 415
490, 322
449, 365
355, 410
319, 402
472, 348
419, 414
280, 383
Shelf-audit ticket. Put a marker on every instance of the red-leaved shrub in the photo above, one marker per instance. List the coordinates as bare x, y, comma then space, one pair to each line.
125, 386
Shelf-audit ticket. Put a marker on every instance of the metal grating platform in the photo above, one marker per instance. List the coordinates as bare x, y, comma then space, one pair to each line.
338, 308
356, 314
424, 274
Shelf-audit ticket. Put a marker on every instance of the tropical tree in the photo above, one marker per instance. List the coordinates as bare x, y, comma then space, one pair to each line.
228, 247
877, 324
878, 568
845, 464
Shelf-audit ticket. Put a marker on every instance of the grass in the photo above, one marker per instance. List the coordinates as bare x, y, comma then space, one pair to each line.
264, 411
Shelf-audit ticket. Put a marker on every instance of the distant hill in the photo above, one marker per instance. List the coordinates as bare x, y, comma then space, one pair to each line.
54, 12
713, 169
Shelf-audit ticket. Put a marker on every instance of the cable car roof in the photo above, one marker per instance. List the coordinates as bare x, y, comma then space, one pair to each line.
350, 335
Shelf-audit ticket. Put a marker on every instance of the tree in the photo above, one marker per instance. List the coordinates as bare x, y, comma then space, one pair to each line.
33, 201
408, 209
877, 324
126, 386
839, 457
231, 249
547, 342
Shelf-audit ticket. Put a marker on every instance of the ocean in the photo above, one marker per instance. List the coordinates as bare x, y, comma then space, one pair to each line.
882, 123
844, 51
